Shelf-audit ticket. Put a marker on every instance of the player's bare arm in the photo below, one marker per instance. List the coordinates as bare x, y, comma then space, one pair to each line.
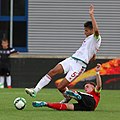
98, 78
94, 23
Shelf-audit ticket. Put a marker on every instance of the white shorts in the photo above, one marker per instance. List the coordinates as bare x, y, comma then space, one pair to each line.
72, 68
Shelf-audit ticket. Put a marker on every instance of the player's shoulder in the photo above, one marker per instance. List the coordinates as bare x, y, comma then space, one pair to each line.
94, 38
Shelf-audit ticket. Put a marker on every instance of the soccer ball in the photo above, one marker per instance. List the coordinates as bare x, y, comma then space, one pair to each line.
19, 103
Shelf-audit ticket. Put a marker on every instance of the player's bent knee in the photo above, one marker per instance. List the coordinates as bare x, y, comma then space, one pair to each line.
61, 88
52, 72
62, 85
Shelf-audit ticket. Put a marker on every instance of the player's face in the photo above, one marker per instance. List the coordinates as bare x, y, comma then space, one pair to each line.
89, 88
4, 44
88, 31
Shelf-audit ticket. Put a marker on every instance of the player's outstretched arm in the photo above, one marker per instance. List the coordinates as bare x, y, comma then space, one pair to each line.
98, 78
94, 23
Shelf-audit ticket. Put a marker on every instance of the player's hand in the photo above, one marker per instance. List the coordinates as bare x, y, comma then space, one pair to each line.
98, 67
91, 10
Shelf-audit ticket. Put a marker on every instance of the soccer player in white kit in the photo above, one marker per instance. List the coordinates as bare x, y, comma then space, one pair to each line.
77, 63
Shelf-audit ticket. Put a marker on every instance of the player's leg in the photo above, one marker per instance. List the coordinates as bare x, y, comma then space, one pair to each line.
61, 106
8, 81
57, 106
73, 94
8, 77
62, 87
2, 81
80, 106
58, 69
68, 94
73, 73
2, 78
47, 78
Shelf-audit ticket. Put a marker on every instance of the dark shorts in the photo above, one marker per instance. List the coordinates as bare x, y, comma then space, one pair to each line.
5, 68
4, 72
87, 103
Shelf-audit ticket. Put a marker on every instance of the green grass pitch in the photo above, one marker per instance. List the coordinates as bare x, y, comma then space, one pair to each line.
108, 108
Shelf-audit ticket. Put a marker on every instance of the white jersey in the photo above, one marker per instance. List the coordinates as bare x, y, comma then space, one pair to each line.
89, 47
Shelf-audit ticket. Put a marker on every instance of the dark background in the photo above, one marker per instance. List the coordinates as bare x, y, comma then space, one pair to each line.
26, 72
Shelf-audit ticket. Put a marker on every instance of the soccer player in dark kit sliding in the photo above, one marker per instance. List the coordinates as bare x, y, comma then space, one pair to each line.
76, 64
86, 101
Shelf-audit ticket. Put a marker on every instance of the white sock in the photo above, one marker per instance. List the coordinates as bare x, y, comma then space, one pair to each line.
8, 80
43, 82
2, 79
